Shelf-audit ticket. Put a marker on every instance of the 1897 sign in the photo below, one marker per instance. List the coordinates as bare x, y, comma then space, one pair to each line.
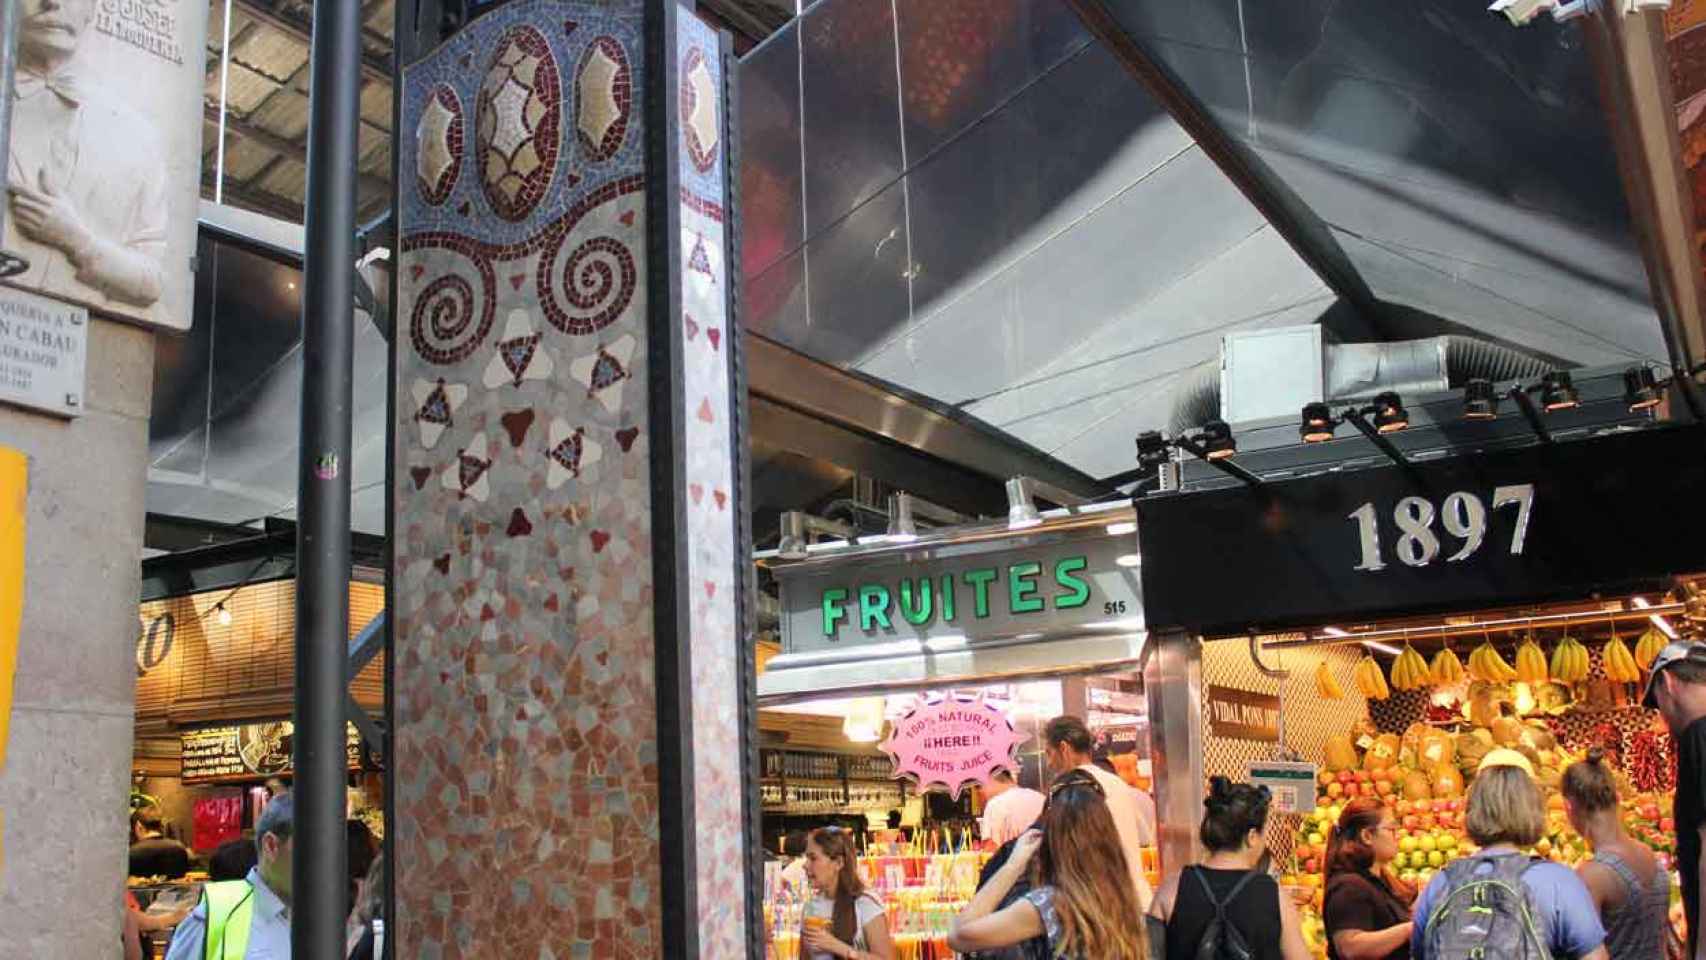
1528, 525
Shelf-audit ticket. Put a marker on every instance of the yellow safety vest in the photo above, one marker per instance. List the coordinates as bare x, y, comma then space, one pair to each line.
230, 908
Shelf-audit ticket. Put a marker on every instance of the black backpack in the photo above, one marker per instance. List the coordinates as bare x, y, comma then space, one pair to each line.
1222, 940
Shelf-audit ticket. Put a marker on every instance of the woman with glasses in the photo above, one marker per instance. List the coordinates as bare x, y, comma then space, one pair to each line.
845, 922
1081, 898
1261, 918
1367, 909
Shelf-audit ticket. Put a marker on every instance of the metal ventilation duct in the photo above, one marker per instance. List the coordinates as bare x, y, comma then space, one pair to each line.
1358, 370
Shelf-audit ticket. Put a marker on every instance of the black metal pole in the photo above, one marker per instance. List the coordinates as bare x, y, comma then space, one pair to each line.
320, 876
1356, 419
1525, 403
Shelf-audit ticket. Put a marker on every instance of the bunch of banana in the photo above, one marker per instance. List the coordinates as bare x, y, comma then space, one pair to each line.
1648, 647
1569, 661
1409, 671
1327, 685
1486, 665
1620, 666
1371, 681
1531, 663
1447, 669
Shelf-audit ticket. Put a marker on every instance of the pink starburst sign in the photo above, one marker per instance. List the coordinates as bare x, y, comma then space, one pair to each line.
952, 741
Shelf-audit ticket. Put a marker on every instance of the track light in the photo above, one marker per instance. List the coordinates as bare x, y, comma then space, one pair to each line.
1480, 400
1558, 393
1021, 509
901, 525
1152, 451
223, 613
794, 543
1216, 440
1317, 426
1389, 413
1641, 388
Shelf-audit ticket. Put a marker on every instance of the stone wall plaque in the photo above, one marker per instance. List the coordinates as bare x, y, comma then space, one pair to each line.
44, 345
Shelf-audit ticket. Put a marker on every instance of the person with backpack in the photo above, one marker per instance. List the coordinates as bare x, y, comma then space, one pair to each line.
1500, 902
1080, 902
1227, 908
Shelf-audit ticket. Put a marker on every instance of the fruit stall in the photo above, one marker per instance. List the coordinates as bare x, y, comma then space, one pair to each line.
1429, 719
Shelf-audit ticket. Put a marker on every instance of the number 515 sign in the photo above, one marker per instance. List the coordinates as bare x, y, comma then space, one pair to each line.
1419, 524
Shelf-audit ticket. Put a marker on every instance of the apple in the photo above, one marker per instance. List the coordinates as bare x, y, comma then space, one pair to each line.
1316, 839
1326, 777
1403, 808
1335, 790
1363, 776
1427, 821
1412, 823
1407, 843
1428, 844
1383, 788
1423, 806
1650, 811
1312, 865
1353, 790
1436, 859
1335, 811
1345, 776
1667, 825
1400, 860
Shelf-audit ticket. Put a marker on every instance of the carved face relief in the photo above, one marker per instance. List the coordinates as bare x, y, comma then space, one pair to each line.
53, 26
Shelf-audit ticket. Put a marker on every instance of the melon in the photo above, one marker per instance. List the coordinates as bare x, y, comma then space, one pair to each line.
1341, 755
1507, 731
1417, 786
1447, 782
1383, 754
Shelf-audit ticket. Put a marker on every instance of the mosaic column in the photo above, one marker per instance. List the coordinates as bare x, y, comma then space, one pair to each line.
568, 741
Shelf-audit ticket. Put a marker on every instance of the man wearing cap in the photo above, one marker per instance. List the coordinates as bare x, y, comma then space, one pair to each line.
1677, 690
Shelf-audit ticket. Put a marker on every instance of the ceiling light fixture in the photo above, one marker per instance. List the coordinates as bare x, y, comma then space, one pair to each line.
902, 527
1480, 400
1385, 648
1318, 424
1124, 528
1129, 560
222, 613
1557, 392
1389, 413
1217, 441
1641, 388
1021, 507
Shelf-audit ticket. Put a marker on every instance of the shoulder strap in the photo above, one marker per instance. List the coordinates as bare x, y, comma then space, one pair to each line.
230, 908
1219, 904
1619, 866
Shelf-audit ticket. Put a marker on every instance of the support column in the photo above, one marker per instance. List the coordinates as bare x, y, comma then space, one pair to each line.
1172, 681
566, 577
66, 776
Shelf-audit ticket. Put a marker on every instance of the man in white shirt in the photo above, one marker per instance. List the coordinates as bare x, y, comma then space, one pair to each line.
1068, 745
1010, 809
258, 916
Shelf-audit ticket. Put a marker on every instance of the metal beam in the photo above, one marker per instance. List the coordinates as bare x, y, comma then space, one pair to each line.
283, 146
820, 391
1633, 66
1305, 232
372, 67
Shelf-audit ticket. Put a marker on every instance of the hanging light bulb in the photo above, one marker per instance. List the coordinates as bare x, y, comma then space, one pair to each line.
224, 614
1389, 413
1317, 423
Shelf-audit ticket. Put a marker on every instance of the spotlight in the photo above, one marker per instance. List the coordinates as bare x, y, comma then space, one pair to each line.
1641, 388
223, 613
901, 525
1317, 423
1216, 440
1480, 401
1558, 393
793, 544
1389, 413
1021, 509
1152, 451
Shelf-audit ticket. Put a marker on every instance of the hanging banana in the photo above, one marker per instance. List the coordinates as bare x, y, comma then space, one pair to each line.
1446, 669
1619, 662
1409, 671
1648, 647
1531, 663
1370, 680
1327, 685
1569, 661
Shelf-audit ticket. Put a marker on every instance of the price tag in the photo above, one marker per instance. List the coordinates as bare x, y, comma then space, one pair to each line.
1291, 784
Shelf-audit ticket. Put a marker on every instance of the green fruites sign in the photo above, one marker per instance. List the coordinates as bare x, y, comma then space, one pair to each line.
1018, 588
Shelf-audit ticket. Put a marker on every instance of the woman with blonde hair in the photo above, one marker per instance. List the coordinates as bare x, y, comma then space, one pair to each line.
1081, 899
845, 922
1521, 905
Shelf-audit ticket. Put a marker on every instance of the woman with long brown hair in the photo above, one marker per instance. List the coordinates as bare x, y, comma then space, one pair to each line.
1081, 898
1367, 909
845, 922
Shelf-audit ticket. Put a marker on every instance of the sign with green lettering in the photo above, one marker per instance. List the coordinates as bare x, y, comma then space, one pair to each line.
1052, 584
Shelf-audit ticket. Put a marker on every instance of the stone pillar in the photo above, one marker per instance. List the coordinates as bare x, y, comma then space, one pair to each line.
63, 789
565, 591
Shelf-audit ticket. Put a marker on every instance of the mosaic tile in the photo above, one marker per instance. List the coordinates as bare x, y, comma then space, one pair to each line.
438, 136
